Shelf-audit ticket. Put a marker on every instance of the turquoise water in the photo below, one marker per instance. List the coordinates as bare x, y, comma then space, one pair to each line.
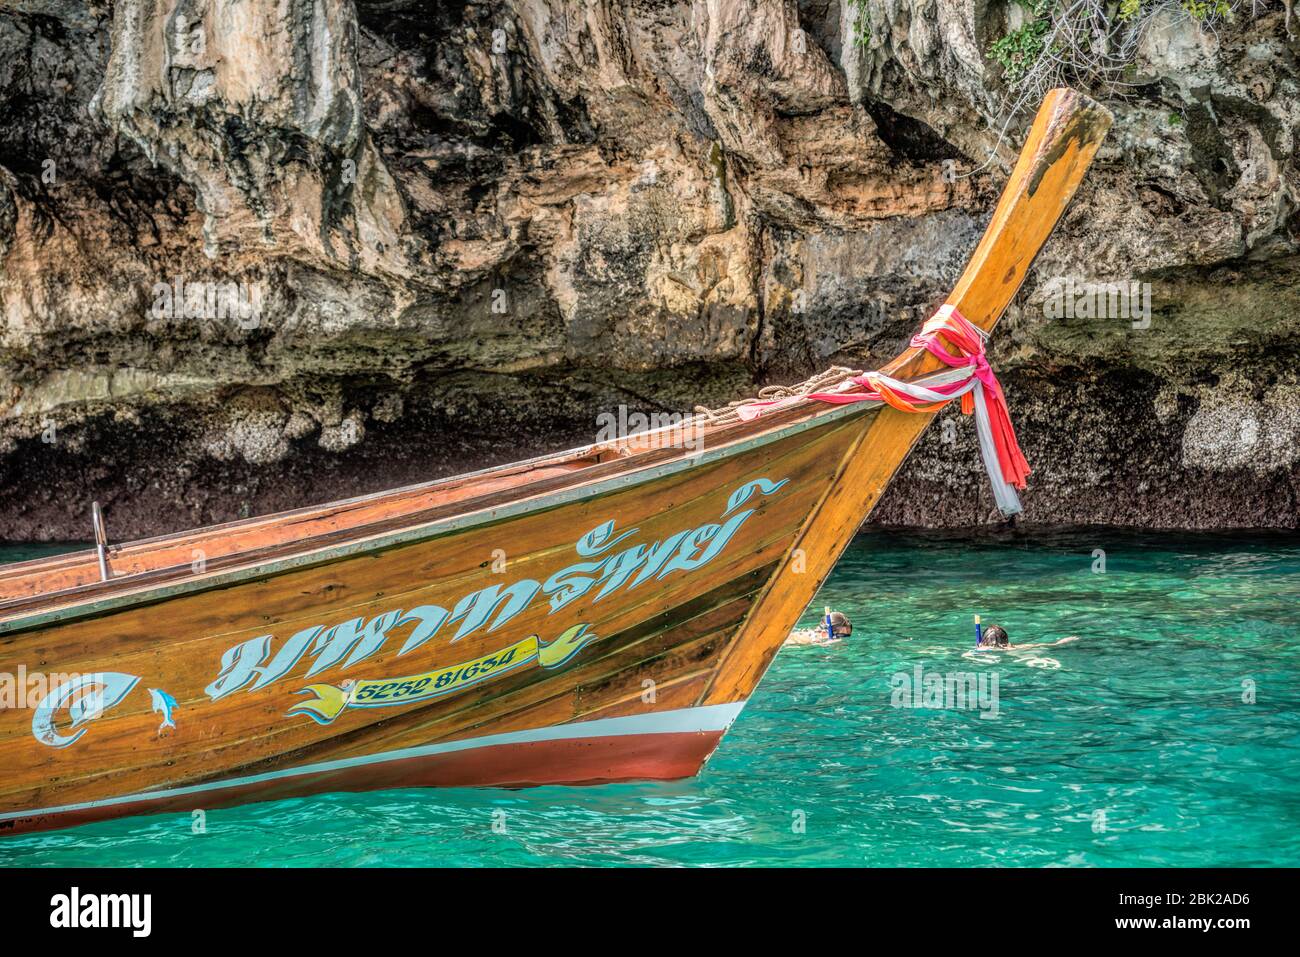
1136, 745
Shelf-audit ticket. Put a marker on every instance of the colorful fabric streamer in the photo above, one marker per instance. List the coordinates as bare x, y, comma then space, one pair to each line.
980, 392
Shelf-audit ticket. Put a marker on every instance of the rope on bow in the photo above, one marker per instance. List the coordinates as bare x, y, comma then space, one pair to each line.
981, 395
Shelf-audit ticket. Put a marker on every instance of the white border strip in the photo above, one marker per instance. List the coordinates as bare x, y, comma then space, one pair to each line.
707, 718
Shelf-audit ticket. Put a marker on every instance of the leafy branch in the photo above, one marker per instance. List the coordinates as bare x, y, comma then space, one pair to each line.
861, 22
1085, 42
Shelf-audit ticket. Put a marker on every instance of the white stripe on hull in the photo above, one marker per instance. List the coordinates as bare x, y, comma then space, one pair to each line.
706, 719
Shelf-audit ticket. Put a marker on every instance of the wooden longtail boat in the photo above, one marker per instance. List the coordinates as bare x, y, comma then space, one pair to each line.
597, 615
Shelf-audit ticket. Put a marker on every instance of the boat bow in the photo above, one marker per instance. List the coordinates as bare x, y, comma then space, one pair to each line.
597, 615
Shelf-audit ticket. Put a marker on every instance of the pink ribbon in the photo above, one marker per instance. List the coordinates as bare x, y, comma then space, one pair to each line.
980, 392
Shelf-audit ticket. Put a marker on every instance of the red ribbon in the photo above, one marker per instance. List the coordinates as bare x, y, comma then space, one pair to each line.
951, 327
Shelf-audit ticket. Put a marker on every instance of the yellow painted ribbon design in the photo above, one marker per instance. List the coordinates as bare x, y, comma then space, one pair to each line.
329, 701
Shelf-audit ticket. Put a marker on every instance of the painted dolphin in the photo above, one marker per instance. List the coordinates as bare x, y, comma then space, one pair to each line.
164, 704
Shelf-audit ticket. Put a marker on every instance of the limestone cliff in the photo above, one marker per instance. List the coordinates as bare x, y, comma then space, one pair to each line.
260, 253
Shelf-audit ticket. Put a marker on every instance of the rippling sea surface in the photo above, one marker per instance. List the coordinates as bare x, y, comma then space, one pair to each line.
1168, 734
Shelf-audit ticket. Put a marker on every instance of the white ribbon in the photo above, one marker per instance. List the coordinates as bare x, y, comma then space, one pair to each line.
1003, 492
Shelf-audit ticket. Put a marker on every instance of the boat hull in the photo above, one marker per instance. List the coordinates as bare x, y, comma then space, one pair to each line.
571, 642
666, 745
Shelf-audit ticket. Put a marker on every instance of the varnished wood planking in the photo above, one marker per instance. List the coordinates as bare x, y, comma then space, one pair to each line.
265, 708
641, 651
117, 757
76, 577
454, 560
497, 708
144, 588
78, 568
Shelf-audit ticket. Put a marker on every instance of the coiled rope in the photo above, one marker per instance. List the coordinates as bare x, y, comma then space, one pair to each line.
821, 382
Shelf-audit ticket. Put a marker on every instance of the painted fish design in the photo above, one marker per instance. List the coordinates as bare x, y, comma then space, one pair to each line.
163, 704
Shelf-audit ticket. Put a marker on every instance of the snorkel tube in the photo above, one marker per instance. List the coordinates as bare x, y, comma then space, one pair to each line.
979, 632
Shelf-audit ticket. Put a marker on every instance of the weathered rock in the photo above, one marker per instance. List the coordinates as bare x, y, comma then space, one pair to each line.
456, 235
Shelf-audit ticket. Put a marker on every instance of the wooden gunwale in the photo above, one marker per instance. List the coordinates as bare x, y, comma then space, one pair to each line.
135, 641
573, 461
658, 447
497, 507
21, 613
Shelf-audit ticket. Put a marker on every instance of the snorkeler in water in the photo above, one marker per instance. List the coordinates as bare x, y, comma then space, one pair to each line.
840, 627
995, 637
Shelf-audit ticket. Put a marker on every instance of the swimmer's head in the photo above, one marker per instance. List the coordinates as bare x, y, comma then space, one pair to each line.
841, 627
995, 636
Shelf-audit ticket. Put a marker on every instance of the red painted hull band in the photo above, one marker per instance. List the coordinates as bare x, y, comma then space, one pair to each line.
571, 761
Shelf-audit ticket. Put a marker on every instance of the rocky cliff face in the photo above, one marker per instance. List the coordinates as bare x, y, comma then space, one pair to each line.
259, 253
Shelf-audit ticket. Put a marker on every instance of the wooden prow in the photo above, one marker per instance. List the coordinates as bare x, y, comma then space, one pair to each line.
1061, 144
